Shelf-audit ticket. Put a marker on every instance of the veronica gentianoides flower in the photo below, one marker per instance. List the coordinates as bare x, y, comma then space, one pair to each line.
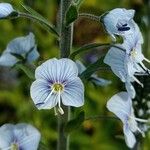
118, 21
57, 83
21, 136
5, 10
121, 105
20, 49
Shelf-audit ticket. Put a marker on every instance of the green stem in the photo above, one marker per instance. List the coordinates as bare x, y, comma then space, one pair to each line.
46, 23
65, 44
90, 16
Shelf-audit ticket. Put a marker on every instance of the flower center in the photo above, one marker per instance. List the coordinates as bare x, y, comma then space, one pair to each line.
57, 87
133, 53
14, 146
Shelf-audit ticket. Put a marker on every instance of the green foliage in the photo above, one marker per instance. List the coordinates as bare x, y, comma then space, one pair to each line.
75, 123
36, 16
72, 14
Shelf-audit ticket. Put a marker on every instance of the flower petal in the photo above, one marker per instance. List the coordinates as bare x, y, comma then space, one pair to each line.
115, 59
80, 66
33, 55
5, 10
6, 135
57, 70
129, 136
40, 90
130, 89
74, 93
21, 45
120, 104
7, 59
28, 137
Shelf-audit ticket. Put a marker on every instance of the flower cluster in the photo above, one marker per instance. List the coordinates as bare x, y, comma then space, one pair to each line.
125, 60
19, 136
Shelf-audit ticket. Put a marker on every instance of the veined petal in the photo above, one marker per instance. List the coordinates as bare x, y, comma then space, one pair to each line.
40, 93
120, 104
130, 89
118, 21
73, 94
7, 59
5, 10
6, 135
57, 70
129, 136
28, 137
115, 59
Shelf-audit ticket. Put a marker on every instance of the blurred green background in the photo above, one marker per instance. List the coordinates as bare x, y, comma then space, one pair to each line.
15, 102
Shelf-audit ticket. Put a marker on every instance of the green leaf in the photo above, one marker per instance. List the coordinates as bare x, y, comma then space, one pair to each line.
87, 47
28, 71
38, 17
75, 123
72, 14
92, 68
90, 46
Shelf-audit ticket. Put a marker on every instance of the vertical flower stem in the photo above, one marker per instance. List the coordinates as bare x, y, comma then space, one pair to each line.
65, 44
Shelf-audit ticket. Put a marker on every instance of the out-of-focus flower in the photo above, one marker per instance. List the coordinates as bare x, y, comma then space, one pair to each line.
19, 49
121, 105
57, 82
94, 78
118, 21
5, 10
19, 136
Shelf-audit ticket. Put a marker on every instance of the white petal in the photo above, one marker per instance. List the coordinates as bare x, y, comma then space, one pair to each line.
130, 89
118, 18
129, 136
27, 136
115, 59
6, 135
40, 90
7, 59
120, 104
57, 70
80, 66
74, 93
21, 45
5, 10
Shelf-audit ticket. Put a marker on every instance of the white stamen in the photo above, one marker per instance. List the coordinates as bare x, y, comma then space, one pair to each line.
59, 104
141, 120
49, 96
136, 80
55, 111
147, 60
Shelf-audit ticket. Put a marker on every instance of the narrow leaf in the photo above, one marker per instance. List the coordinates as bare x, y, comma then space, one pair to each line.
87, 47
92, 68
75, 123
28, 71
71, 15
38, 17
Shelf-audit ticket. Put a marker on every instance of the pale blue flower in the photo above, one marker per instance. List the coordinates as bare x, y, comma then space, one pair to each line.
119, 21
21, 136
121, 105
122, 67
5, 10
57, 83
94, 78
18, 49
